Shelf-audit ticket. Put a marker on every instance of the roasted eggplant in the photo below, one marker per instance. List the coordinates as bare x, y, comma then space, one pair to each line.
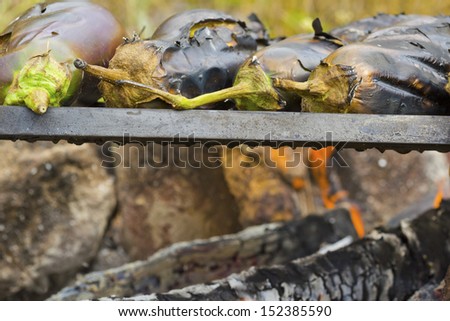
38, 48
292, 58
398, 70
190, 54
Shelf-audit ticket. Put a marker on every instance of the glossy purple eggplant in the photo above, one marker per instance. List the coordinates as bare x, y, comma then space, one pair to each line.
38, 48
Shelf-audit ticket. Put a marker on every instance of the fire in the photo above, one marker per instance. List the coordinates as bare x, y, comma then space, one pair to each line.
331, 195
440, 194
357, 221
318, 162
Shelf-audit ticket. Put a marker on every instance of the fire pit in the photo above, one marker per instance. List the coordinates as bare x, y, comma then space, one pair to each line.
389, 263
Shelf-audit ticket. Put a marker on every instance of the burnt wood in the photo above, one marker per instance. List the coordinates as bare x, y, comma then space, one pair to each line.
385, 265
187, 263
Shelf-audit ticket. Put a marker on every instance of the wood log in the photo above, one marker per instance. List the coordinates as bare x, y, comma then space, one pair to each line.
388, 264
197, 261
446, 286
434, 291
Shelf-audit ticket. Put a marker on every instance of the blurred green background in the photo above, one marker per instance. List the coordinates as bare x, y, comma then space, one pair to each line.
282, 17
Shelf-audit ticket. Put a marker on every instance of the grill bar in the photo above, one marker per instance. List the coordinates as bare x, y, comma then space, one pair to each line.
79, 125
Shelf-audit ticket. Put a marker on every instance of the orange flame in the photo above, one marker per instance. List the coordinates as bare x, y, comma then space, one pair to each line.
357, 221
439, 196
318, 160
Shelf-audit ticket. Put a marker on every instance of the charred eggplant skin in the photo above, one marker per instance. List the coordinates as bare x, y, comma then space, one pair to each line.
359, 30
181, 26
206, 52
64, 31
205, 49
190, 54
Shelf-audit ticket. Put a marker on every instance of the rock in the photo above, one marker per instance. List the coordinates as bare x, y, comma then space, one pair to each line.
55, 203
262, 190
170, 194
111, 253
391, 185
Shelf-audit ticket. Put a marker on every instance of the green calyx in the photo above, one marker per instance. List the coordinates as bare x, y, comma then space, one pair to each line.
42, 82
329, 88
259, 93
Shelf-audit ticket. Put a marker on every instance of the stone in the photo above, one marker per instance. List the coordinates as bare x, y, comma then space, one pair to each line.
260, 181
390, 186
55, 204
170, 194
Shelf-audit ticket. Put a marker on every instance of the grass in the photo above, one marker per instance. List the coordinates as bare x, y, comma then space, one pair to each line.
282, 17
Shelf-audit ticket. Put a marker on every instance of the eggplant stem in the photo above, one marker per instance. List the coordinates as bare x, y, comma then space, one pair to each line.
109, 75
299, 88
181, 102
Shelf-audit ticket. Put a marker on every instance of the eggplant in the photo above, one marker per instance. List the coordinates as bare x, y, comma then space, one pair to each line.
181, 27
398, 70
37, 51
190, 54
291, 58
